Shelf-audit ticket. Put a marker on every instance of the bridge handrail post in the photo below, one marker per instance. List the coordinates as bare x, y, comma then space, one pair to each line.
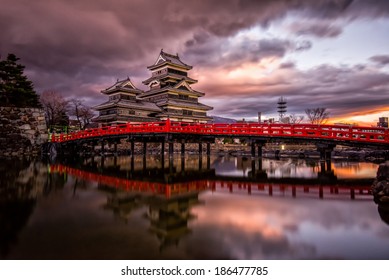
167, 125
128, 127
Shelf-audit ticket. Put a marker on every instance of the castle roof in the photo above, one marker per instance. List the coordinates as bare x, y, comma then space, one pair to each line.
167, 75
137, 104
176, 88
122, 85
184, 104
166, 58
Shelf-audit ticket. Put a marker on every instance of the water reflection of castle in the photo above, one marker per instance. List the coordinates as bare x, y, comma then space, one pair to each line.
168, 217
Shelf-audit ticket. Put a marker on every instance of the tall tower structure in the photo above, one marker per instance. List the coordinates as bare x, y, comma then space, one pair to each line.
281, 107
170, 89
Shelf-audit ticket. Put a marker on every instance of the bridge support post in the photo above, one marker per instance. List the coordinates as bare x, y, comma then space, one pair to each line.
200, 148
102, 147
132, 148
163, 155
115, 148
325, 150
171, 164
182, 148
352, 194
260, 164
102, 164
182, 164
132, 163
171, 149
328, 166
208, 149
144, 148
256, 144
208, 162
259, 153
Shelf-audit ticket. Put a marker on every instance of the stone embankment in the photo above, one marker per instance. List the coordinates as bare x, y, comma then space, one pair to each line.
22, 131
380, 187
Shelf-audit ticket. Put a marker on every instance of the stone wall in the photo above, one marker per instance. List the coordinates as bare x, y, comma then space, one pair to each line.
22, 131
380, 186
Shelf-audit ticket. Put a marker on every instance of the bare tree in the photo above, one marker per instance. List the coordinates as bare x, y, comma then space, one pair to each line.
294, 119
55, 107
317, 115
82, 112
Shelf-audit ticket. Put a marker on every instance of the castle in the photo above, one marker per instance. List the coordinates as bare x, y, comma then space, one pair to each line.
170, 96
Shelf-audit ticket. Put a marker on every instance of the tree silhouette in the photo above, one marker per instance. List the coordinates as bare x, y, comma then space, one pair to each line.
15, 89
55, 107
317, 115
83, 113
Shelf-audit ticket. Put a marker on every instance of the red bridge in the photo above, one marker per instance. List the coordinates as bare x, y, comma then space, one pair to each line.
324, 136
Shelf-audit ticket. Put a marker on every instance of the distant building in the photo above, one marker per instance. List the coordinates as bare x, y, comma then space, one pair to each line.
170, 95
269, 121
346, 123
382, 122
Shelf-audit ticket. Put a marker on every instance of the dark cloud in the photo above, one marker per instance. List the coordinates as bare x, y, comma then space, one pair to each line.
380, 59
316, 29
287, 65
81, 47
229, 55
303, 46
368, 8
343, 90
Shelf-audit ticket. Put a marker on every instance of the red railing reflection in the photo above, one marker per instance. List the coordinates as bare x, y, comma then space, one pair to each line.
173, 189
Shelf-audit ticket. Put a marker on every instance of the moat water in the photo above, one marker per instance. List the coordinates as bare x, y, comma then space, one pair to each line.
190, 208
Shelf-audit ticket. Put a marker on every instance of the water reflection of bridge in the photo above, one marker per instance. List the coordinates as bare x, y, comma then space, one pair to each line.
169, 182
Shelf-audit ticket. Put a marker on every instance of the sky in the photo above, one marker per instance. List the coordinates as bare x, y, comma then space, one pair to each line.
245, 53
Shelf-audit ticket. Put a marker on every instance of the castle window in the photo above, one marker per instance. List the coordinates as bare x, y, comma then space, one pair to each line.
173, 71
127, 97
108, 112
187, 112
114, 97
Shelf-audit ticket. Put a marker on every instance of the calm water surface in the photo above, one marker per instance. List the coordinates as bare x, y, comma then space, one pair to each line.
191, 208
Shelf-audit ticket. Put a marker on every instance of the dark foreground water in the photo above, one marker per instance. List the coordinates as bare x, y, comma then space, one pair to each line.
196, 208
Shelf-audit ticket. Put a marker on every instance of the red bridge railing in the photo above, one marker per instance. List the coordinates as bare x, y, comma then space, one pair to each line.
331, 132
